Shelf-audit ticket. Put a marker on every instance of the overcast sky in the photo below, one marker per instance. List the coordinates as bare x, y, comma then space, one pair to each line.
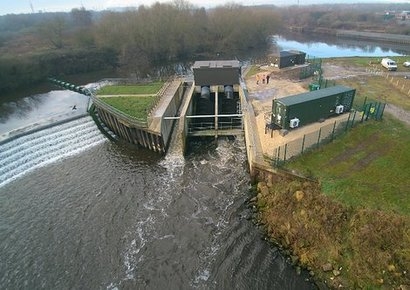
26, 6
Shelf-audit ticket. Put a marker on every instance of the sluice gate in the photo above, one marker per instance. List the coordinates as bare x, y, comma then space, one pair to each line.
216, 108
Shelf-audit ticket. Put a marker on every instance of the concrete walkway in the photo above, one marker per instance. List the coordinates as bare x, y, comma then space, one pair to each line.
154, 120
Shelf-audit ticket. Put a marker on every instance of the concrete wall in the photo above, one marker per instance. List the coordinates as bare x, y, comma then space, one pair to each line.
171, 111
253, 145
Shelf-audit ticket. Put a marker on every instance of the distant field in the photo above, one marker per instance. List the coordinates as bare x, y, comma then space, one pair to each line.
367, 167
365, 61
374, 87
139, 89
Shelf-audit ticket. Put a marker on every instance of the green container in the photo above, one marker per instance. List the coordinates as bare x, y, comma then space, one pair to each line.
298, 110
314, 87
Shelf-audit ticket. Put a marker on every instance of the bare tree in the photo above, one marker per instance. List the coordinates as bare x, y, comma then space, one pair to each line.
53, 30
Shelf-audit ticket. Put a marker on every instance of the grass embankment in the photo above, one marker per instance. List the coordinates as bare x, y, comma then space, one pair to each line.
369, 166
352, 228
139, 89
133, 100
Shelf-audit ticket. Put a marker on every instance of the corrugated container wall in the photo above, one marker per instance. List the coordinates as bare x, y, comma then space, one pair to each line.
302, 109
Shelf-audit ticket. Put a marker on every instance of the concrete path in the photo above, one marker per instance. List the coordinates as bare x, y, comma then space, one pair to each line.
159, 110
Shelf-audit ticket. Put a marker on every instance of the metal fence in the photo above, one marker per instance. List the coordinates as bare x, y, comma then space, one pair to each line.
400, 81
313, 140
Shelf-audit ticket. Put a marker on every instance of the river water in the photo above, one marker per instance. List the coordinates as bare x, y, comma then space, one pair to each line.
325, 46
104, 216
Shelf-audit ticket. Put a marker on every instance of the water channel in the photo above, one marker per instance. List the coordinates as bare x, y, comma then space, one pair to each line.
330, 46
78, 211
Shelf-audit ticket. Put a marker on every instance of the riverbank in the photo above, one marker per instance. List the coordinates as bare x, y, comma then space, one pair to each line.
340, 246
343, 246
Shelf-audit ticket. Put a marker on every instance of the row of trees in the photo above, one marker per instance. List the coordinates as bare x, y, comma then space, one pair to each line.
136, 41
139, 41
165, 33
347, 16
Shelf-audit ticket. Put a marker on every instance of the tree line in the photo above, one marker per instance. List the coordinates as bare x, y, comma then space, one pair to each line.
136, 41
141, 41
358, 16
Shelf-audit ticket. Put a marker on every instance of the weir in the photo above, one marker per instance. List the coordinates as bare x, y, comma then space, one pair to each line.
27, 152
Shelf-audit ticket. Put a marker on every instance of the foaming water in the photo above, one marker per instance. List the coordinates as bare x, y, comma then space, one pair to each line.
26, 153
115, 218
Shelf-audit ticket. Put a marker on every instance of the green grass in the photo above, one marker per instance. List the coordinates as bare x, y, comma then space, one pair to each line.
139, 89
135, 106
367, 167
365, 61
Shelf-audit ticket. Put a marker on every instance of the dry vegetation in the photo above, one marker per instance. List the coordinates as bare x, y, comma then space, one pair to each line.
353, 248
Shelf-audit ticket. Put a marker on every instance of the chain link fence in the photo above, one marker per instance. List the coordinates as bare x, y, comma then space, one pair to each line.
313, 140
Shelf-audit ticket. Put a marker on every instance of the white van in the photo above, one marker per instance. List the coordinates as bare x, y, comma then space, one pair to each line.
389, 64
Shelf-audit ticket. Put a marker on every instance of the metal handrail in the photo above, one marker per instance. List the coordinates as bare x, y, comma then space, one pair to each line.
128, 118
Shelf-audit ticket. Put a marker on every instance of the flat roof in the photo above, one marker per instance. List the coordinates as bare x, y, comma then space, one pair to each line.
313, 95
292, 52
216, 64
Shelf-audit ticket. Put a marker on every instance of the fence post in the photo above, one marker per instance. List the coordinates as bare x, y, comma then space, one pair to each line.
354, 117
348, 120
382, 111
277, 159
378, 116
363, 112
284, 154
333, 131
303, 142
318, 137
368, 108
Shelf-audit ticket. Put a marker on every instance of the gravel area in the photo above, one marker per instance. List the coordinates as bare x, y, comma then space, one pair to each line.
261, 96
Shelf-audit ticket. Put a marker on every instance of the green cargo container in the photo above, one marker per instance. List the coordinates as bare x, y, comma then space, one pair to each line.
302, 109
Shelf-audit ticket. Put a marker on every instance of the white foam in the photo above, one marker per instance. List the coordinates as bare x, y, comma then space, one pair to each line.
47, 146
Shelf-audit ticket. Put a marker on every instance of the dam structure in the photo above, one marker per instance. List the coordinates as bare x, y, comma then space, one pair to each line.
208, 106
212, 105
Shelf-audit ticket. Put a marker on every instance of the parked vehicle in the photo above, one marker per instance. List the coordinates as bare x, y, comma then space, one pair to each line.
389, 64
406, 63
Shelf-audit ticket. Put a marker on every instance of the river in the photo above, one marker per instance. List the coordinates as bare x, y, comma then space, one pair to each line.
104, 216
325, 46
78, 211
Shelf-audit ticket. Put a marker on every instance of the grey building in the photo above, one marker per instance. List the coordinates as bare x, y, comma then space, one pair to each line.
216, 72
289, 58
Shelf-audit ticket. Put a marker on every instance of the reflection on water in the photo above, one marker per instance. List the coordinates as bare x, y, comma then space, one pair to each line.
328, 46
39, 108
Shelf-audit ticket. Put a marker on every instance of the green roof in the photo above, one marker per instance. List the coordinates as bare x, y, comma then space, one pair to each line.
313, 95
